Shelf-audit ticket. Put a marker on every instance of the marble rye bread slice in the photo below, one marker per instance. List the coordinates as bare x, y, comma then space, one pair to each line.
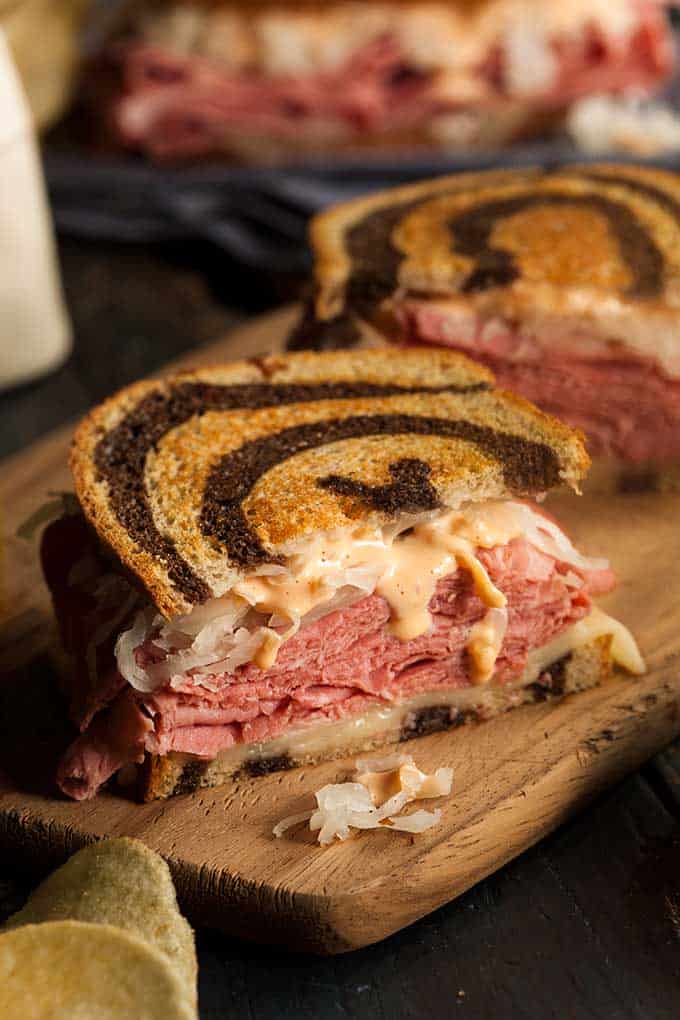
485, 238
195, 479
565, 283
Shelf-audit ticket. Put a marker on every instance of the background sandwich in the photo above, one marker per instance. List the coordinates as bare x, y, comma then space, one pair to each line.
271, 79
565, 283
285, 560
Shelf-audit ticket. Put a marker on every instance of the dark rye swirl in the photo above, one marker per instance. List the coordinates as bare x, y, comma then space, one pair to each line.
508, 242
198, 478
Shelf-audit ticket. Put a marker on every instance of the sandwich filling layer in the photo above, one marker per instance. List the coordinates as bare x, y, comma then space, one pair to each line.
482, 597
565, 364
581, 667
194, 82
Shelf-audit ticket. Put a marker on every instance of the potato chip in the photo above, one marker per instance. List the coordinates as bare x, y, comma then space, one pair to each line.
74, 970
118, 882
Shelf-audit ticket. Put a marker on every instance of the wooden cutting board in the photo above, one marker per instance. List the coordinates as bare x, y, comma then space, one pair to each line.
515, 778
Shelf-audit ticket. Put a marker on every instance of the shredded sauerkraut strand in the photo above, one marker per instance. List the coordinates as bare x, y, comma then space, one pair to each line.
374, 798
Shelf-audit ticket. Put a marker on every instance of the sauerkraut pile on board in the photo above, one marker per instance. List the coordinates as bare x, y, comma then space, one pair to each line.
381, 789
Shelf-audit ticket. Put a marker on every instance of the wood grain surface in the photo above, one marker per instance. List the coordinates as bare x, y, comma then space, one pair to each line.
516, 778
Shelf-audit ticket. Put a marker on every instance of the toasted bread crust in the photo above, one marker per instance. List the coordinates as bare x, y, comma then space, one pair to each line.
194, 479
172, 774
504, 241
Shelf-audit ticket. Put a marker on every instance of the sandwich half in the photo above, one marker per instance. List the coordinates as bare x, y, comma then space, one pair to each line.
272, 79
565, 283
279, 561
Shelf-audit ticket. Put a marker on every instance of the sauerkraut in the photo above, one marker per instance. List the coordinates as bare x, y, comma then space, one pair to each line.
329, 573
375, 798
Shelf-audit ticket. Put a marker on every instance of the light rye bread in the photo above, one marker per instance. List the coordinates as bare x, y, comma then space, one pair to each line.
585, 667
479, 23
469, 6
598, 243
197, 479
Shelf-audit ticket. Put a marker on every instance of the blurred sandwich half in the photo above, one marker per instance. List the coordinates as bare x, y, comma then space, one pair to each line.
270, 79
279, 561
565, 283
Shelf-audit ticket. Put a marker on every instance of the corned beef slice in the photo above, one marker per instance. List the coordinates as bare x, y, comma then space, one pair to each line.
183, 105
340, 665
624, 403
177, 106
627, 409
73, 566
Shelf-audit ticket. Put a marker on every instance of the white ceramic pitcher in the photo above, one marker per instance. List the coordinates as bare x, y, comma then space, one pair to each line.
35, 334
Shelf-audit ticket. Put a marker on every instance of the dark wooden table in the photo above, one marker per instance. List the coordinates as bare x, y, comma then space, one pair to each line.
586, 925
